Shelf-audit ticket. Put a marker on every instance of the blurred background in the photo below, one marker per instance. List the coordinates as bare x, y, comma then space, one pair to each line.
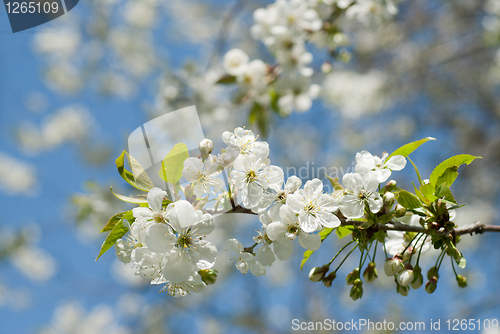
72, 91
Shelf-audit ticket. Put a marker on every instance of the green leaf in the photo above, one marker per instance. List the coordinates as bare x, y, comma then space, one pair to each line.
173, 164
456, 160
407, 149
258, 115
274, 97
226, 79
335, 183
385, 218
428, 191
119, 230
443, 191
416, 170
142, 182
343, 232
324, 233
129, 199
448, 177
408, 200
118, 218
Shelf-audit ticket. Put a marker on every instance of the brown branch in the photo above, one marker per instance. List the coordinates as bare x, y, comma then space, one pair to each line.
476, 228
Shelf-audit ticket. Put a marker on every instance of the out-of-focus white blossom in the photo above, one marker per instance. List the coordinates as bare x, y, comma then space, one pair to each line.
16, 177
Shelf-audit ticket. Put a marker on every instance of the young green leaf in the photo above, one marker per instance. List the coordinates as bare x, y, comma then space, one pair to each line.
416, 171
443, 191
129, 199
226, 79
259, 115
456, 161
324, 233
119, 230
142, 183
408, 200
428, 191
110, 225
448, 177
407, 149
343, 232
140, 176
173, 164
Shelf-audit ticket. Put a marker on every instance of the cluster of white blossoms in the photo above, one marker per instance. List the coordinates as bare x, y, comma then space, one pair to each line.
167, 245
284, 27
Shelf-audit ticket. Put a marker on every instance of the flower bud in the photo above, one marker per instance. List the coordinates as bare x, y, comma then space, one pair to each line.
431, 285
433, 272
402, 290
462, 281
352, 276
393, 265
400, 211
418, 279
356, 292
206, 146
318, 273
405, 277
327, 281
370, 273
208, 276
390, 186
389, 199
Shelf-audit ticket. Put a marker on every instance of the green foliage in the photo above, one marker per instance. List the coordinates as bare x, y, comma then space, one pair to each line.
226, 79
138, 177
324, 233
408, 200
110, 225
443, 173
258, 115
119, 230
343, 231
129, 199
173, 164
407, 149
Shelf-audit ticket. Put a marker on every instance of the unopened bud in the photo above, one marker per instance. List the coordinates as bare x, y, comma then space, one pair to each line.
400, 211
402, 290
433, 272
356, 292
389, 199
405, 277
418, 279
327, 281
370, 273
462, 281
206, 147
431, 285
318, 273
390, 186
393, 265
208, 276
352, 276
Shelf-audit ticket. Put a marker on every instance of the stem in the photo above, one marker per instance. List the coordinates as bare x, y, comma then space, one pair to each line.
340, 251
366, 256
409, 244
375, 251
420, 251
453, 266
385, 251
416, 243
341, 263
250, 249
442, 255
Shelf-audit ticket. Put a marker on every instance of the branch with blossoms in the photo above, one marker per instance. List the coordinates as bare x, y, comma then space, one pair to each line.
165, 238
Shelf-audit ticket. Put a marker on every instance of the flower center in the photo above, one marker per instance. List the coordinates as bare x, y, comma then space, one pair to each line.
183, 241
251, 176
362, 195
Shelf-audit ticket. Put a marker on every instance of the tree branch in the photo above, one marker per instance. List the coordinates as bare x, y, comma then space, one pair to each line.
476, 228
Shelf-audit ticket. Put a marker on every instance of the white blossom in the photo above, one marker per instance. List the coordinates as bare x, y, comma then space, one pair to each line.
202, 175
314, 208
366, 162
360, 191
244, 261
